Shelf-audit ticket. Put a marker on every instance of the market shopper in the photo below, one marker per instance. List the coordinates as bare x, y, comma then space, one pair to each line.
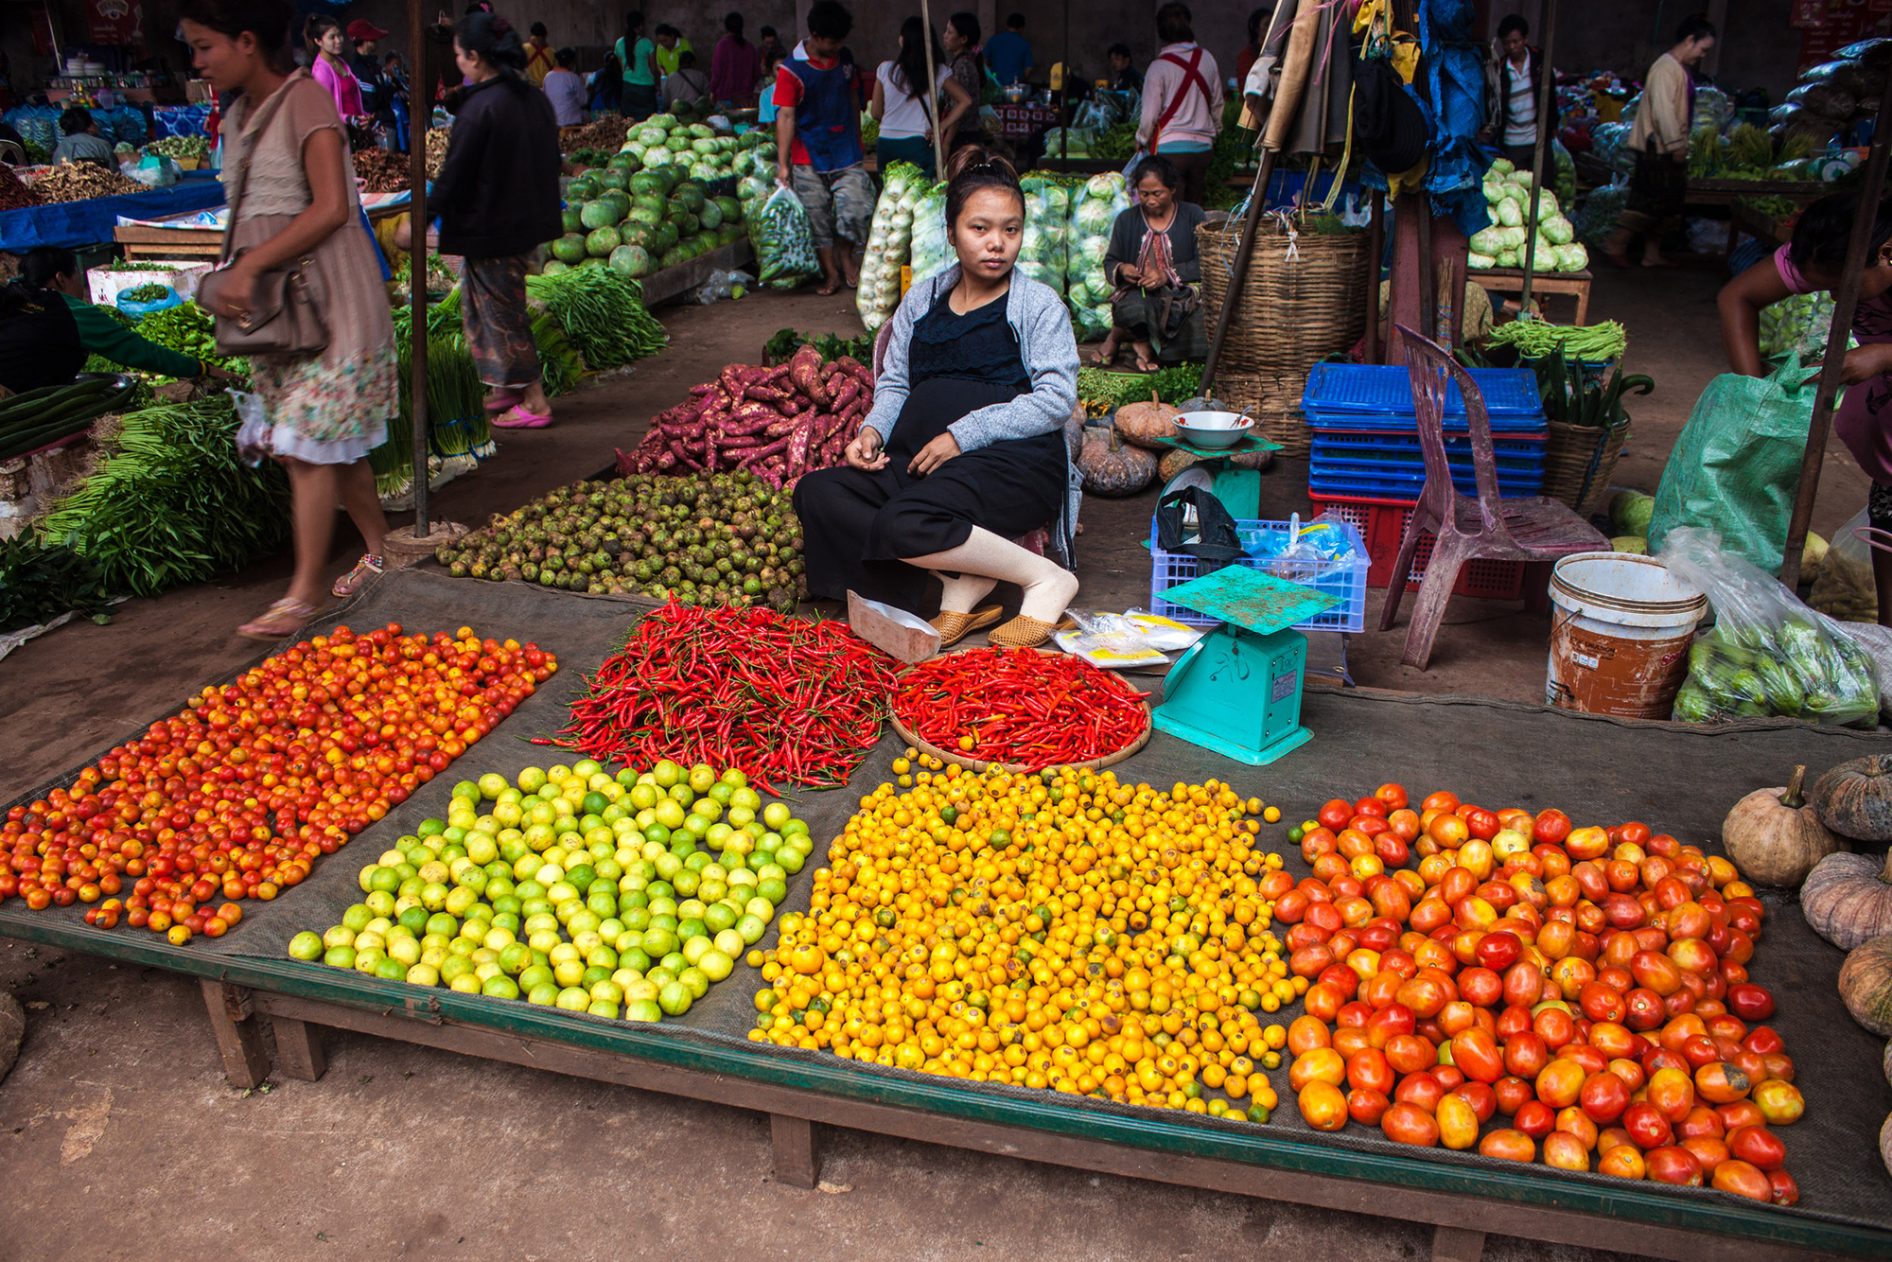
907, 116
1245, 59
670, 48
735, 65
1124, 76
818, 145
1815, 260
377, 93
79, 140
1658, 187
964, 449
565, 90
688, 86
286, 157
1152, 262
540, 59
1009, 52
328, 67
1514, 84
961, 42
498, 201
637, 55
47, 329
1182, 101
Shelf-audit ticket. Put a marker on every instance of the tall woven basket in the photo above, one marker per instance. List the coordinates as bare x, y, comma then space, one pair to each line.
1578, 463
1302, 300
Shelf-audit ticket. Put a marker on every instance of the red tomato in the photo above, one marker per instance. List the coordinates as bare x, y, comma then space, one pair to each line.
1757, 1146
1674, 1164
1409, 1124
1508, 1145
1750, 1002
1646, 1125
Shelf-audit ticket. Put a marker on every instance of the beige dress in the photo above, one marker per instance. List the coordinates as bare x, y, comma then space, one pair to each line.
332, 407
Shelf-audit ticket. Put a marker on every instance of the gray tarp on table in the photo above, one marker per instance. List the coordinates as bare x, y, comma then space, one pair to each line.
1678, 779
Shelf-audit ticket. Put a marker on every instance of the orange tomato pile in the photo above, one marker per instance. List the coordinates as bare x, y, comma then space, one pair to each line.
238, 794
1583, 990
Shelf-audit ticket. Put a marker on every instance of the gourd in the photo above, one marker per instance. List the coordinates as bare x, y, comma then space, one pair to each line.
1865, 985
1774, 837
1847, 898
1145, 423
1178, 460
1885, 1143
1111, 468
1855, 798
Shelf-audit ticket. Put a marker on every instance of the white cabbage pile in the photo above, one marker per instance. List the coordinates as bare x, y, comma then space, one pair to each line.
932, 249
889, 242
1508, 191
1043, 255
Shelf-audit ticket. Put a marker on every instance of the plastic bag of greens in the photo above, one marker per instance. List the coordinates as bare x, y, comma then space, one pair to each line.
1047, 208
1768, 655
1094, 210
1845, 588
931, 248
889, 239
784, 244
1735, 466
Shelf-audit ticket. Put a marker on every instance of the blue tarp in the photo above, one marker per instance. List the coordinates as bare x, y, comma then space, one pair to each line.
90, 222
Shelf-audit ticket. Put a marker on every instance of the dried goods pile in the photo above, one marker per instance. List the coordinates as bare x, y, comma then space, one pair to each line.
77, 181
381, 170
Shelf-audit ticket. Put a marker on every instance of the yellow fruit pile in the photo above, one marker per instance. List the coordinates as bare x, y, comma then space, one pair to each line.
1060, 930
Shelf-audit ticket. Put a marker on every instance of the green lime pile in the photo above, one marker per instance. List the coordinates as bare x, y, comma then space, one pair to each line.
621, 896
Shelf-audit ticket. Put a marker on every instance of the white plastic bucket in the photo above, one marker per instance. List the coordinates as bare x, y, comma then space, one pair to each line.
1620, 629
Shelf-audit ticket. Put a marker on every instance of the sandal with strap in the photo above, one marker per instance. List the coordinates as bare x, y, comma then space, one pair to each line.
284, 618
366, 570
1023, 633
954, 626
518, 416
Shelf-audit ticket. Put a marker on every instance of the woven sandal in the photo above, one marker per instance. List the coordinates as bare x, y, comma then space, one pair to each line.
954, 627
1022, 633
366, 570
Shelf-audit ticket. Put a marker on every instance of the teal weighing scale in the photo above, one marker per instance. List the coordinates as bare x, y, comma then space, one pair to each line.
1237, 690
1238, 489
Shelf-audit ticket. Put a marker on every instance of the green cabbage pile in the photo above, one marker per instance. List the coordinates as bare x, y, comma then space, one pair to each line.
1508, 191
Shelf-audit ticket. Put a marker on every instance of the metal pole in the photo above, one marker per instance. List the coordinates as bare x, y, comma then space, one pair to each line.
1844, 303
932, 96
421, 113
1375, 247
1064, 92
1544, 99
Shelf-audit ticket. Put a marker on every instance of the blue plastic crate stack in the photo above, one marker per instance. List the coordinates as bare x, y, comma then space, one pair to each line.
1366, 442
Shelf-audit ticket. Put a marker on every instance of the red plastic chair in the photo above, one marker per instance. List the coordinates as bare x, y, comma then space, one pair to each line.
1532, 529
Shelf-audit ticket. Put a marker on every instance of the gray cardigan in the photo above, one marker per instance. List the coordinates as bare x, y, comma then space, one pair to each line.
1049, 349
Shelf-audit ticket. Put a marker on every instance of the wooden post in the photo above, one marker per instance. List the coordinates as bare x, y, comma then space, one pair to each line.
1375, 247
795, 1151
420, 114
932, 96
1845, 301
298, 1049
1544, 100
239, 1035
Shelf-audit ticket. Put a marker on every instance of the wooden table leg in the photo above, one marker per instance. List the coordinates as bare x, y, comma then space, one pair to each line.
1583, 305
299, 1049
795, 1150
239, 1035
1457, 1244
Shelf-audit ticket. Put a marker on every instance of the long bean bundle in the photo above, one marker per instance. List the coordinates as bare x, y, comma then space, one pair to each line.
602, 313
1535, 338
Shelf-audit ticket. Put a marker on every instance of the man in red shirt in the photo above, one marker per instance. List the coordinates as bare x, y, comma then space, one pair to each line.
818, 145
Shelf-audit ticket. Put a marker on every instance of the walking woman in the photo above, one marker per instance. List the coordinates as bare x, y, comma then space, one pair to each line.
637, 53
965, 447
498, 201
905, 112
292, 197
330, 67
962, 45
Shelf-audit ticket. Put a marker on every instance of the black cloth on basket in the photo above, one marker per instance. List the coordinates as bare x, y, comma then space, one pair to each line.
856, 524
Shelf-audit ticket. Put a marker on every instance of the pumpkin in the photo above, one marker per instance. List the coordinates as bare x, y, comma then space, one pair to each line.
1847, 898
1886, 1064
1865, 984
1178, 460
1146, 423
1855, 798
1111, 468
1774, 837
1885, 1143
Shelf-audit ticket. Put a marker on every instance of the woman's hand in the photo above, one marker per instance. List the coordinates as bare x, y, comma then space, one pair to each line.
864, 452
1862, 363
933, 455
237, 291
1129, 275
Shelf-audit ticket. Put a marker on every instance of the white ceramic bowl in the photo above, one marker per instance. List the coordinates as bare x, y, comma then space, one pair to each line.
1214, 429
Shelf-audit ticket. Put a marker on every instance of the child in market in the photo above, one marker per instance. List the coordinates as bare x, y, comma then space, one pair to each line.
818, 145
1815, 260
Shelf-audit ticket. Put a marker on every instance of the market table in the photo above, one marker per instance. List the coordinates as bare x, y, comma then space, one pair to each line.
1677, 777
190, 234
92, 222
1510, 280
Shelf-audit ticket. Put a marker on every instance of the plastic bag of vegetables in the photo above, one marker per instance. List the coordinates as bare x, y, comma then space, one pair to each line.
1094, 211
1043, 255
931, 248
1768, 654
889, 239
784, 244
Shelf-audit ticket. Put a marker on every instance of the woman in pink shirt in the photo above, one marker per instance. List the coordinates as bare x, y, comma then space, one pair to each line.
328, 68
1814, 261
1182, 101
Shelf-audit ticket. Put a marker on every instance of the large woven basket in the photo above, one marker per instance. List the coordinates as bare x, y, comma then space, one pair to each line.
1578, 463
1304, 297
1274, 400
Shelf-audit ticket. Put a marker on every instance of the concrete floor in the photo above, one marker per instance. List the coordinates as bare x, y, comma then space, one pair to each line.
118, 1112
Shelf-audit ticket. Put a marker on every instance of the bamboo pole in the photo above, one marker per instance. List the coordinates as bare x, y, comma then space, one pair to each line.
1845, 301
420, 113
1375, 247
932, 95
1544, 99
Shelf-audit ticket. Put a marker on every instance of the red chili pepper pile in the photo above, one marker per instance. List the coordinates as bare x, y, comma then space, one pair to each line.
1020, 706
783, 699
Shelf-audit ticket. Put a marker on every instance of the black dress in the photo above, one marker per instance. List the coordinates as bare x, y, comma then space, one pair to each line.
857, 525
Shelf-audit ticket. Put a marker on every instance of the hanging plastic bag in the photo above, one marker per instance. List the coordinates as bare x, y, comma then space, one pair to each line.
1737, 462
254, 431
1768, 655
784, 244
1845, 588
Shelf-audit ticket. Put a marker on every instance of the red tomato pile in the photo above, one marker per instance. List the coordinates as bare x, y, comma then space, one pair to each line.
1587, 989
238, 794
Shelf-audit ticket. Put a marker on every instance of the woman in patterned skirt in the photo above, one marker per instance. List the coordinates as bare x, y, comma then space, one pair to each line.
326, 410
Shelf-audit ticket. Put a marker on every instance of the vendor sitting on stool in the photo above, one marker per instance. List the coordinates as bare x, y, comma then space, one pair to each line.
965, 447
47, 330
1152, 261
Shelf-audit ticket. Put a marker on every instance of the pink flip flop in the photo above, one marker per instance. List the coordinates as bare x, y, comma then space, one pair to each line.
500, 400
517, 417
